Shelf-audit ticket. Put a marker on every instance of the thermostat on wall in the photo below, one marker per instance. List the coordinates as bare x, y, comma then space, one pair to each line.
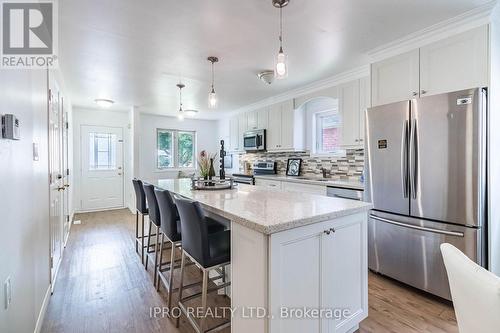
10, 127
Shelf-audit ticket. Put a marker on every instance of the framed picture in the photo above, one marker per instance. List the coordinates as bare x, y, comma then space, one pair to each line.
293, 166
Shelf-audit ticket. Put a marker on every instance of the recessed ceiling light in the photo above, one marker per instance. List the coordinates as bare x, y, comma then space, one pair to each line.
104, 103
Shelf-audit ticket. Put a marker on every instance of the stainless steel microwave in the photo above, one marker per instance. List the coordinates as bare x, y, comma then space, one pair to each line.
254, 140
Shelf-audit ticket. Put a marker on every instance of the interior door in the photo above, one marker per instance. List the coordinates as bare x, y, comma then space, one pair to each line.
56, 186
101, 167
448, 157
387, 131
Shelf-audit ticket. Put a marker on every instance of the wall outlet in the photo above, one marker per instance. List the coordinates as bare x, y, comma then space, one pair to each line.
77, 222
7, 291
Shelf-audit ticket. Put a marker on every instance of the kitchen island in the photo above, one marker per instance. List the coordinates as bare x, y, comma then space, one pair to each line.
298, 261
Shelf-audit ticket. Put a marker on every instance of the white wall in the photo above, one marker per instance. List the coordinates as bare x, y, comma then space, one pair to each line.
100, 118
24, 202
206, 139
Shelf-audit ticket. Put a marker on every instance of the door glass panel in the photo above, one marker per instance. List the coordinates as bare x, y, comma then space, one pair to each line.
102, 151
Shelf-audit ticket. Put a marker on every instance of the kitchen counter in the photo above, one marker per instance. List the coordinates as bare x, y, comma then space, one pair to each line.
291, 249
350, 184
267, 211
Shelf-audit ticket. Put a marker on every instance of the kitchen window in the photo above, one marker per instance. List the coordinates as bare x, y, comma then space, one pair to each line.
175, 149
328, 133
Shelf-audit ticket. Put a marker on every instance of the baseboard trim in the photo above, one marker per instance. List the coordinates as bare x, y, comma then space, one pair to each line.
43, 310
99, 210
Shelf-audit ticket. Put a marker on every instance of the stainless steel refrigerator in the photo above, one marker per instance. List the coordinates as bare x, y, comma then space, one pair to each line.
426, 179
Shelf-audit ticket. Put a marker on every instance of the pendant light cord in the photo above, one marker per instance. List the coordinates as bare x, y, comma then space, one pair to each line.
213, 76
281, 27
180, 99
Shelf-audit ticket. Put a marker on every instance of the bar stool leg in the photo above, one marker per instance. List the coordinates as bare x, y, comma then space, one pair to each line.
171, 277
142, 239
157, 272
183, 258
149, 243
204, 292
224, 278
156, 255
136, 232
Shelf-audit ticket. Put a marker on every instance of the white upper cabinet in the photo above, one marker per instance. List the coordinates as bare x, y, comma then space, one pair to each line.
257, 119
252, 123
285, 130
395, 79
456, 63
234, 138
273, 134
364, 104
242, 127
262, 118
349, 110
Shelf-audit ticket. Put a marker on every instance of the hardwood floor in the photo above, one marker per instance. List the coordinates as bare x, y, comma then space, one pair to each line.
103, 287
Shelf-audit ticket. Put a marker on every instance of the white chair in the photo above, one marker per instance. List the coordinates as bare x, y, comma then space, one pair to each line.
475, 292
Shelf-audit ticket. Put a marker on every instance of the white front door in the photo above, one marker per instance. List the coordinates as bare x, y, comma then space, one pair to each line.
101, 167
56, 179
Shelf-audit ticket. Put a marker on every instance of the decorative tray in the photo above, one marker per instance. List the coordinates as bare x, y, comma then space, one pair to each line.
212, 184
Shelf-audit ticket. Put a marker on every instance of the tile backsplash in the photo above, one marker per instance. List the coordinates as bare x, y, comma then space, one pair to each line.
349, 166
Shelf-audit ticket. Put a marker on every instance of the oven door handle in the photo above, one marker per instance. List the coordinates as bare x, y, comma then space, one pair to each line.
411, 226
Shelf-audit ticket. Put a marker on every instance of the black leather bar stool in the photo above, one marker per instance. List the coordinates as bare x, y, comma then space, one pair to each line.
170, 229
142, 209
207, 251
154, 219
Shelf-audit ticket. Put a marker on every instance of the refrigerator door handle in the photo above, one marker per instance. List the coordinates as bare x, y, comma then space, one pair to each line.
411, 226
404, 159
413, 159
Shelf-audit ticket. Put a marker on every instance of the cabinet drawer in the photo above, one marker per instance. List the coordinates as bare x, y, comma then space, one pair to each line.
304, 188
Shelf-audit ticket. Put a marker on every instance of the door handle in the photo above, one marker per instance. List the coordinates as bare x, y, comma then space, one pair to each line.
404, 160
62, 188
66, 185
416, 227
413, 159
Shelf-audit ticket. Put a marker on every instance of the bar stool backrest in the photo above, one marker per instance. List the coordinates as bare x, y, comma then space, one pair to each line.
168, 214
154, 212
193, 230
140, 196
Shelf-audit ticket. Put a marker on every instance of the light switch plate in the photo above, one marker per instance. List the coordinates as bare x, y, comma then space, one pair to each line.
7, 290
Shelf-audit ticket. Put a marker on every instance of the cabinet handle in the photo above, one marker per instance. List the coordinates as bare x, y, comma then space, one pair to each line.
357, 140
360, 140
332, 229
327, 231
423, 92
415, 93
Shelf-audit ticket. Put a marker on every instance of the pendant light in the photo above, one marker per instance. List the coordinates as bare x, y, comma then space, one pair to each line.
212, 96
281, 60
180, 115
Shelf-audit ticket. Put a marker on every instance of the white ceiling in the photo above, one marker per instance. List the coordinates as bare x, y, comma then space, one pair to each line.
135, 52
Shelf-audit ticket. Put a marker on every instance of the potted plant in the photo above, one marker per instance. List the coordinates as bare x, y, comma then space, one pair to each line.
205, 163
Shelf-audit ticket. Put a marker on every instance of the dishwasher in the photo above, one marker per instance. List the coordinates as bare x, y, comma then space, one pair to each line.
344, 193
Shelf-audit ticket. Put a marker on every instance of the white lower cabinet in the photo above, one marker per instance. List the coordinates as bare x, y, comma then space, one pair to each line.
319, 267
304, 188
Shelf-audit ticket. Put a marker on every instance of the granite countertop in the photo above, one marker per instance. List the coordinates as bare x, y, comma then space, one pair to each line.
266, 211
350, 184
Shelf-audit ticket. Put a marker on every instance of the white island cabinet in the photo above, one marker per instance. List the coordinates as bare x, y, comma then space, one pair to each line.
298, 261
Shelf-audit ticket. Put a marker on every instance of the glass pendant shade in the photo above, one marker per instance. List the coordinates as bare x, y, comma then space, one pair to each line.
212, 100
180, 116
281, 65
